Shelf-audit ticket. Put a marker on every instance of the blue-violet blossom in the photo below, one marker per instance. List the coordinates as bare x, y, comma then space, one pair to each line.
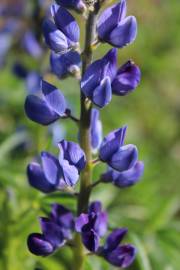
115, 28
64, 33
55, 231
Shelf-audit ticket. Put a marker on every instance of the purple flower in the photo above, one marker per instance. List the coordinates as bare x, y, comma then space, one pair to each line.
55, 174
48, 177
96, 82
31, 45
92, 226
102, 79
64, 33
78, 5
117, 155
125, 178
64, 64
127, 79
72, 160
55, 231
48, 109
118, 255
115, 28
96, 130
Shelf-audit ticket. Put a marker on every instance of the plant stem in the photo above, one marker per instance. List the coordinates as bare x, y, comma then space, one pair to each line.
86, 114
86, 176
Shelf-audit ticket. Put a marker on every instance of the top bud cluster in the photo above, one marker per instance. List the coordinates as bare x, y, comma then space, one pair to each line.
98, 83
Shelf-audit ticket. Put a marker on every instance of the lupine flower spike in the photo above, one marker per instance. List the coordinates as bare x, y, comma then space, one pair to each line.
86, 232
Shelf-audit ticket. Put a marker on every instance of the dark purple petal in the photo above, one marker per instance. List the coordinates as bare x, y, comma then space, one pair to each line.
63, 64
51, 168
129, 177
38, 111
111, 143
91, 240
115, 238
62, 216
73, 153
127, 79
96, 130
54, 98
70, 173
52, 232
123, 256
103, 93
81, 221
38, 180
38, 245
54, 38
66, 23
124, 34
110, 18
95, 207
125, 158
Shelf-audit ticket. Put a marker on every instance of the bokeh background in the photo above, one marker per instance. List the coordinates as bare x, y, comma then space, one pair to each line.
151, 208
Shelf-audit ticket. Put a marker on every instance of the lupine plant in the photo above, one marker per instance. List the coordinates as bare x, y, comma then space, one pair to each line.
86, 232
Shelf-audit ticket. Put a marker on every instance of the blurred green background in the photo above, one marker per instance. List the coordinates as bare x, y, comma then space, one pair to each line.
151, 208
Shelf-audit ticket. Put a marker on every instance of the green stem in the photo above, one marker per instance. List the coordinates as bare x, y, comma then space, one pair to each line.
86, 176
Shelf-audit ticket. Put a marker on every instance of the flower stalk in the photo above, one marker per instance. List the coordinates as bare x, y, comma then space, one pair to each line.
86, 176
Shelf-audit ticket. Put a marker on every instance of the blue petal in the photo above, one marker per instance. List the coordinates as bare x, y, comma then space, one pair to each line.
73, 153
54, 98
124, 34
81, 221
70, 173
125, 158
103, 93
63, 64
38, 180
95, 207
72, 4
127, 79
123, 256
38, 111
129, 177
96, 129
66, 23
52, 232
110, 63
38, 245
101, 223
54, 38
62, 216
110, 18
92, 77
111, 143
51, 168
115, 238
97, 71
